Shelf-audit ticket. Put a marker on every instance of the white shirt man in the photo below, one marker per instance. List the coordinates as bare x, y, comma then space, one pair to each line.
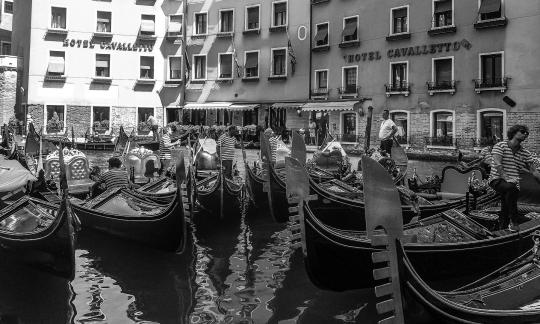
386, 133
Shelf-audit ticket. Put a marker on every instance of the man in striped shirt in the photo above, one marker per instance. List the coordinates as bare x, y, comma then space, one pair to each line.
165, 147
225, 150
509, 157
273, 140
115, 177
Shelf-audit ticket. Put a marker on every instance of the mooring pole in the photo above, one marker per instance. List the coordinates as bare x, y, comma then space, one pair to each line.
368, 128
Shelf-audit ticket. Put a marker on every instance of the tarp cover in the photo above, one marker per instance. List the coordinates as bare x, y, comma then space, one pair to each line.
13, 175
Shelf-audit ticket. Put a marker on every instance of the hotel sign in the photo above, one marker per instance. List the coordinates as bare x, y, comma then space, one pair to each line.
113, 46
427, 49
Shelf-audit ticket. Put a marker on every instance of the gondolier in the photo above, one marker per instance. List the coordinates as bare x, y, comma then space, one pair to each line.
225, 150
386, 133
509, 157
115, 177
273, 140
165, 147
153, 123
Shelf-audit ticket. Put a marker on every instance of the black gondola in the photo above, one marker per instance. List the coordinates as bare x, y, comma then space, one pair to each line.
338, 257
121, 213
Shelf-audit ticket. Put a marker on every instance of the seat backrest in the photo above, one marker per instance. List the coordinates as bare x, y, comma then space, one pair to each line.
150, 164
52, 169
206, 161
456, 180
138, 159
78, 169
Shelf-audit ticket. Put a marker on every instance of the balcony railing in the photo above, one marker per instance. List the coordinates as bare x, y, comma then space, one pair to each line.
351, 90
320, 92
55, 77
500, 84
402, 87
441, 86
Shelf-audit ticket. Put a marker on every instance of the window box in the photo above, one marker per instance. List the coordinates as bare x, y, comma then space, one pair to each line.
402, 88
314, 2
225, 34
57, 31
355, 43
441, 87
442, 30
322, 48
172, 83
225, 80
277, 77
320, 93
197, 81
400, 36
278, 29
173, 35
55, 78
102, 35
145, 37
198, 36
145, 81
251, 31
101, 80
250, 79
491, 23
498, 84
348, 92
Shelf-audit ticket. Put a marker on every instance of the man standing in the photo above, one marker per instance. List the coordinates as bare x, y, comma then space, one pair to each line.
153, 123
273, 141
312, 129
509, 157
225, 149
386, 133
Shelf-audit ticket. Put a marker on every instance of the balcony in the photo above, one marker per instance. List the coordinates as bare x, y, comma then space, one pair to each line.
173, 35
145, 81
55, 77
278, 29
253, 31
351, 43
250, 78
228, 34
320, 93
449, 29
491, 23
101, 80
398, 36
146, 36
277, 77
321, 48
496, 84
398, 88
57, 31
172, 83
441, 87
348, 92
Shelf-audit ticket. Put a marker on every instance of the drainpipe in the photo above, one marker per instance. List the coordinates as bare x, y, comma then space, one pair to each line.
310, 47
183, 52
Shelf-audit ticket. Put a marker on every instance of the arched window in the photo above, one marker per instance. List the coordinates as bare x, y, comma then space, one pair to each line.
401, 119
491, 126
442, 131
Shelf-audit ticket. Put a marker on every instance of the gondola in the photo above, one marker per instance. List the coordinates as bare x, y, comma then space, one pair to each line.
120, 213
338, 257
507, 295
40, 234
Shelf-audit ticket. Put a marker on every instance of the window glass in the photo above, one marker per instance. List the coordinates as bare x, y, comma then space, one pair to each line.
350, 31
200, 23
101, 118
279, 62
443, 13
175, 68
147, 67
58, 18
399, 20
400, 119
349, 127
225, 66
443, 132
492, 69
200, 67
102, 65
491, 127
226, 21
443, 71
6, 48
143, 113
253, 18
280, 14
399, 75
103, 22
8, 7
175, 25
350, 79
322, 79
321, 38
252, 64
55, 118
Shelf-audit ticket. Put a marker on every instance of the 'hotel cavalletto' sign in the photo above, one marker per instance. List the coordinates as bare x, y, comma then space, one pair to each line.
409, 51
116, 46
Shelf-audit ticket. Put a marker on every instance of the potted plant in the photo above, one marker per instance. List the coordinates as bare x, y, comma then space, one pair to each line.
55, 125
143, 128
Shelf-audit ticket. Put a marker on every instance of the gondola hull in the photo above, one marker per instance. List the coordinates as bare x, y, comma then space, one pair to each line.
255, 186
164, 230
340, 260
277, 197
222, 202
50, 250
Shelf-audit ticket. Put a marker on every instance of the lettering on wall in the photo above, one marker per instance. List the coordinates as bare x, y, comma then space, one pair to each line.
427, 49
113, 46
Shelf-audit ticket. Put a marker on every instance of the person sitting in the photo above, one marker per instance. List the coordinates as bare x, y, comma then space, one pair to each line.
115, 177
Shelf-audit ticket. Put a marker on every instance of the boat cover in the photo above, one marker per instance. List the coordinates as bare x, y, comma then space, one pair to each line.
14, 176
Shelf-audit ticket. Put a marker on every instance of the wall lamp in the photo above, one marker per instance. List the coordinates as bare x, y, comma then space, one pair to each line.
299, 112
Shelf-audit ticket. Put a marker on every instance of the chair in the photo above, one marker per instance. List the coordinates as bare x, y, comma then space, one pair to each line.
455, 182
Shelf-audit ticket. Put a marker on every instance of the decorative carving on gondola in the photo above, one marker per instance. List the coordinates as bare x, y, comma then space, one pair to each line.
142, 161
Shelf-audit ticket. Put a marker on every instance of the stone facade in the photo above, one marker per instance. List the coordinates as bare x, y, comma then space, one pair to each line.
8, 90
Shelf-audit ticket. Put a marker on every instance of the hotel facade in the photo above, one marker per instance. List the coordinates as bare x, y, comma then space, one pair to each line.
452, 73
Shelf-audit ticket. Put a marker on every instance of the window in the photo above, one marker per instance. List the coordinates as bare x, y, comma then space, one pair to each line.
226, 21
399, 20
103, 22
279, 10
6, 48
491, 126
225, 66
251, 64
442, 13
251, 117
148, 25
201, 23
321, 79
200, 67
279, 62
349, 80
350, 29
175, 25
349, 127
101, 118
442, 132
103, 65
401, 121
58, 18
321, 38
490, 9
398, 76
56, 65
142, 116
175, 68
56, 119
223, 117
173, 115
443, 73
147, 67
491, 70
252, 17
8, 7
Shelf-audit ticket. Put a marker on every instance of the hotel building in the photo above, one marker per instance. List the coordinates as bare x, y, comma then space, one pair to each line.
5, 26
452, 73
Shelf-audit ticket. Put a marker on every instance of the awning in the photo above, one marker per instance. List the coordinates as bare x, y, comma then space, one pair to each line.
331, 106
207, 105
291, 105
252, 61
148, 26
243, 107
349, 29
321, 35
56, 65
443, 6
489, 6
175, 26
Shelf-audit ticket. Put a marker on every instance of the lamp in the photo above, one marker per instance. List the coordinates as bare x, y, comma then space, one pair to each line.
299, 112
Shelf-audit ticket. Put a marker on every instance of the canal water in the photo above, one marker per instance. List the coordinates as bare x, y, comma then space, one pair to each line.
242, 273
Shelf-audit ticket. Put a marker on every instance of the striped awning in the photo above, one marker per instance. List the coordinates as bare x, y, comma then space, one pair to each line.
243, 107
331, 106
207, 105
292, 105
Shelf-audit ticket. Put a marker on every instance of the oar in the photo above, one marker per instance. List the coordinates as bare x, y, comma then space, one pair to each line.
222, 180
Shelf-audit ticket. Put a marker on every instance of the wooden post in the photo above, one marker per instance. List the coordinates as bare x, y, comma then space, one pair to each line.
368, 129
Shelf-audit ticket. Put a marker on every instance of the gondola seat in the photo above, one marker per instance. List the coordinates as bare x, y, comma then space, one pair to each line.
77, 171
455, 182
139, 161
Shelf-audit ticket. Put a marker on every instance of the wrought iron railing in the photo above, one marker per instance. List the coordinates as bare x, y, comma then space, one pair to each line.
441, 85
402, 86
491, 83
348, 90
320, 91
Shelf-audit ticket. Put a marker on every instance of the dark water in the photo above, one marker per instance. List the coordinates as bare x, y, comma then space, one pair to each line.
242, 273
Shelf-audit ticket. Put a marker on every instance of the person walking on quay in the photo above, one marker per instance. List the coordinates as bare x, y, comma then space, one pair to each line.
114, 178
153, 123
165, 147
509, 157
386, 132
225, 150
312, 127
